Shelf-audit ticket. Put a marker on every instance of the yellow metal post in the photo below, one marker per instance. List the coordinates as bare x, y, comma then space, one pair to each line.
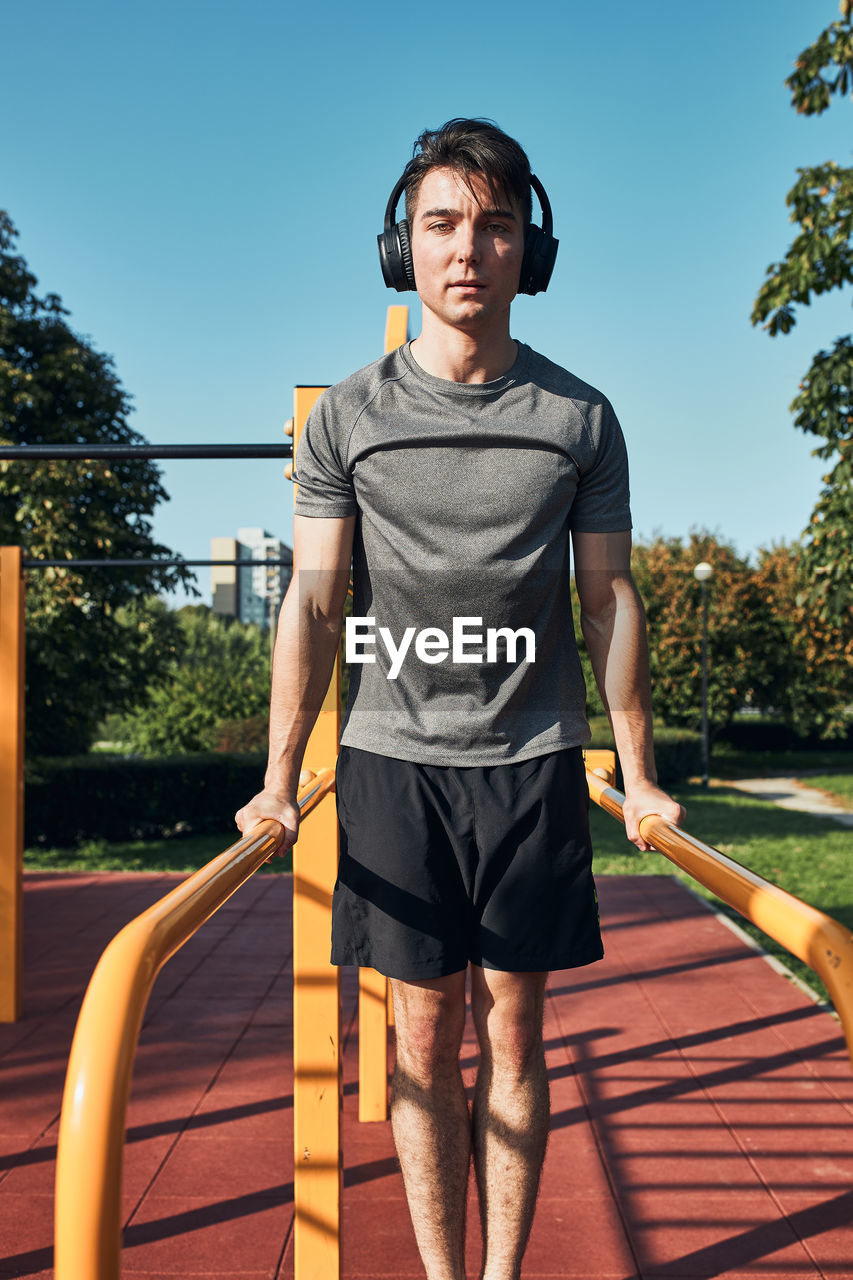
396, 328
317, 1091
372, 1045
11, 783
373, 993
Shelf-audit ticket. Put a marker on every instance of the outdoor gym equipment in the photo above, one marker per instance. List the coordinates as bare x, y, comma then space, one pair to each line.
88, 1185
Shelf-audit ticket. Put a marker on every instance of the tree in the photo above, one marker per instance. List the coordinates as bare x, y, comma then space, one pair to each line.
90, 643
812, 683
742, 632
821, 259
219, 674
766, 649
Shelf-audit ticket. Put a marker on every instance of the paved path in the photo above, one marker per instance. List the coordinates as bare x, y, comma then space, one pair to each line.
791, 793
702, 1105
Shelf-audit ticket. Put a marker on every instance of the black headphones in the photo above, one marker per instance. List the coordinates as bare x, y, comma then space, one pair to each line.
540, 247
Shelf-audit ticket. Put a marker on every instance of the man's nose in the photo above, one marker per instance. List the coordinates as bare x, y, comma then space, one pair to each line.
468, 246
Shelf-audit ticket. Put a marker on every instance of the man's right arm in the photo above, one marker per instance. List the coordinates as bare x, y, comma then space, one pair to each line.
309, 631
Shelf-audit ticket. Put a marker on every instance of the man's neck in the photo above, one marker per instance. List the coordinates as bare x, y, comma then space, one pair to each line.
460, 356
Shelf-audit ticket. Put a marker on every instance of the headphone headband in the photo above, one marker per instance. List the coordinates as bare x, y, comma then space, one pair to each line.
395, 246
391, 207
545, 205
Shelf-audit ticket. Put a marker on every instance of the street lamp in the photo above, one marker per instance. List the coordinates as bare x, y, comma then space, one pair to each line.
702, 573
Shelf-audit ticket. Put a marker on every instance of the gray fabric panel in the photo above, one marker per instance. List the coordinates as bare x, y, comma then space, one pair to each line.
465, 494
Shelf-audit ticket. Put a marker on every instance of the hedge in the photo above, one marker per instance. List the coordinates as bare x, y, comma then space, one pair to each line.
69, 800
678, 752
771, 735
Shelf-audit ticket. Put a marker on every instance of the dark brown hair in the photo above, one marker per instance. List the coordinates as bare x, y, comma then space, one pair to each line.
472, 147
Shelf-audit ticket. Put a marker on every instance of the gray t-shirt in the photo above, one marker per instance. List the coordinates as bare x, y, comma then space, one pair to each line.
465, 494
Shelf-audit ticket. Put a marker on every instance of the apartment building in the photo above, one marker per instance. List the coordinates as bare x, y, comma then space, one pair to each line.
253, 593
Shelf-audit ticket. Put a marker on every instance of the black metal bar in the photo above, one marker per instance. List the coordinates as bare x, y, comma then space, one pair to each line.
90, 452
147, 564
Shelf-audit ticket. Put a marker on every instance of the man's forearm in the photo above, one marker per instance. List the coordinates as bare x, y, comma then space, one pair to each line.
616, 641
305, 650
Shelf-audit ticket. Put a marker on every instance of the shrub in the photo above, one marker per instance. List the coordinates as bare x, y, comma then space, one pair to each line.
678, 752
240, 736
760, 734
106, 797
220, 673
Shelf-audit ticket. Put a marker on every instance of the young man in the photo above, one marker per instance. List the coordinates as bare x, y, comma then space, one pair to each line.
453, 474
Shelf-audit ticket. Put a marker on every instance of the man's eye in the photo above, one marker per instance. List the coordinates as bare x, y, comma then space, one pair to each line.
439, 226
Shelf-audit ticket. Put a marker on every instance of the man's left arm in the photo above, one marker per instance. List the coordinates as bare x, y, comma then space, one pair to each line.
613, 622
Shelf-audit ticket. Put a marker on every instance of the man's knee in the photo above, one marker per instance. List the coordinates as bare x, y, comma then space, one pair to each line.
429, 1021
507, 1012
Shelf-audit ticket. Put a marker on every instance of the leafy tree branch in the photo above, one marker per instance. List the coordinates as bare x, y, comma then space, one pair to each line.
85, 657
820, 259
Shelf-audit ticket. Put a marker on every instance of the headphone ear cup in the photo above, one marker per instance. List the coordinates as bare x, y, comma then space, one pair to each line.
406, 260
395, 257
383, 260
388, 257
537, 264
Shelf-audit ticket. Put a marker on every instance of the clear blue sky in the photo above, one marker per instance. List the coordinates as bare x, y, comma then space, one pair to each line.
203, 184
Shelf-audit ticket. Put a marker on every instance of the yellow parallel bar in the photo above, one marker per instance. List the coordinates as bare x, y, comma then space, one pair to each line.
821, 942
317, 1089
11, 783
97, 1083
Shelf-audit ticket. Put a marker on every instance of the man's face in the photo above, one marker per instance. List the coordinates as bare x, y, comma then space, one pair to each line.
466, 252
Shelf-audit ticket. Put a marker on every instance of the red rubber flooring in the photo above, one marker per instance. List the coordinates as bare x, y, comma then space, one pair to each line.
702, 1106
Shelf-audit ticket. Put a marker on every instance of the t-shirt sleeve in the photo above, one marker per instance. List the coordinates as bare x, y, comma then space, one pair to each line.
602, 502
324, 479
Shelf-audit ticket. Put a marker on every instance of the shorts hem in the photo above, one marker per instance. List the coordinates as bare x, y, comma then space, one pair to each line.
403, 972
533, 965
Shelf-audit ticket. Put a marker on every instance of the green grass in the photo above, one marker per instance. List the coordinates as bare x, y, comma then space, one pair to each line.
810, 857
837, 785
829, 770
184, 853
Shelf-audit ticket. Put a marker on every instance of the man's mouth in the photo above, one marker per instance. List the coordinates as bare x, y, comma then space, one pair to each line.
467, 284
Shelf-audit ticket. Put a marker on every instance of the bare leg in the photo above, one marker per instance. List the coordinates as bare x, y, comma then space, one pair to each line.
511, 1112
430, 1118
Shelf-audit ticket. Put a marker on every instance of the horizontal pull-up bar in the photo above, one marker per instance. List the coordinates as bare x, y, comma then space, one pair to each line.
151, 563
91, 452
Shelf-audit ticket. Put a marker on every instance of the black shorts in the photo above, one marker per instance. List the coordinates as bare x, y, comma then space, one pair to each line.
441, 866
